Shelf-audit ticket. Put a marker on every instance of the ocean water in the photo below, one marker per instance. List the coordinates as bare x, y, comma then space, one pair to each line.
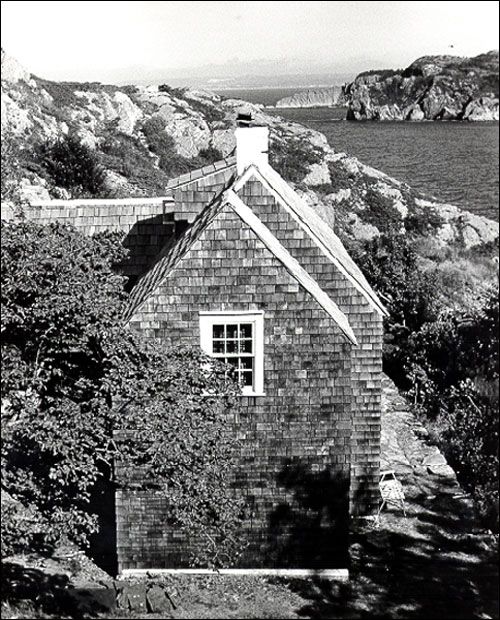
452, 161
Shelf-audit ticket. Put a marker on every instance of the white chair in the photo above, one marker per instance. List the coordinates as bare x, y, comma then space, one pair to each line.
391, 491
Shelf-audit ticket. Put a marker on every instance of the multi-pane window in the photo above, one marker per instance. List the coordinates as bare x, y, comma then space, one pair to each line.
236, 340
233, 343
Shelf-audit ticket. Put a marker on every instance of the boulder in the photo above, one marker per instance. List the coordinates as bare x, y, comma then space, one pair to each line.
415, 113
158, 600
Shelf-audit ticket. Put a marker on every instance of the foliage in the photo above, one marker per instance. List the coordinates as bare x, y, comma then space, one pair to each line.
292, 158
446, 359
382, 73
210, 113
62, 93
163, 145
171, 90
127, 156
391, 265
72, 165
192, 449
455, 370
468, 433
9, 166
380, 211
341, 177
73, 376
421, 219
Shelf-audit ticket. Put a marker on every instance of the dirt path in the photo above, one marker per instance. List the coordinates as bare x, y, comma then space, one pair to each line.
433, 563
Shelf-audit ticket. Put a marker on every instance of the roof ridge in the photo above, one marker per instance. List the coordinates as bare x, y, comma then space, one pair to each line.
200, 173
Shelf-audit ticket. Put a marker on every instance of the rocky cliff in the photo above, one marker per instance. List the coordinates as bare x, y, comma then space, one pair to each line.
142, 136
314, 98
431, 88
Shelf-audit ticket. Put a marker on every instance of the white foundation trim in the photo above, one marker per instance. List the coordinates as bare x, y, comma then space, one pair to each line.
338, 574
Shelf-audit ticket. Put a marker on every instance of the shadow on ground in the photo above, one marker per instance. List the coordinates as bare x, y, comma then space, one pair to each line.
49, 592
433, 563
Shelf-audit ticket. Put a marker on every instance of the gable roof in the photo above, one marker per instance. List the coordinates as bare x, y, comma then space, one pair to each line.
202, 194
175, 251
290, 263
321, 233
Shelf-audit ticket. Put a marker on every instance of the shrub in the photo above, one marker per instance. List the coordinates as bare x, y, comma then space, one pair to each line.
380, 211
469, 437
72, 165
447, 361
293, 157
9, 167
73, 376
341, 177
210, 112
422, 220
171, 90
130, 158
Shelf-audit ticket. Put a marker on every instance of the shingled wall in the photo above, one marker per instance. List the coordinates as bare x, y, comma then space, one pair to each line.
295, 458
367, 326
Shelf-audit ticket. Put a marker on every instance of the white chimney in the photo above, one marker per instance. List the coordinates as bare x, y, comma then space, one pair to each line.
251, 146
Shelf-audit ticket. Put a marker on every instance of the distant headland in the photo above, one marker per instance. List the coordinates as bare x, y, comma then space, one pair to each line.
431, 88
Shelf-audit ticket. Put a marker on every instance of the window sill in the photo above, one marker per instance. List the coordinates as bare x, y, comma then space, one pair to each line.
253, 394
249, 395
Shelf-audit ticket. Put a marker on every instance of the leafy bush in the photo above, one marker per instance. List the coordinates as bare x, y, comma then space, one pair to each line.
72, 165
446, 360
341, 177
421, 220
211, 113
380, 211
73, 377
468, 434
293, 157
9, 167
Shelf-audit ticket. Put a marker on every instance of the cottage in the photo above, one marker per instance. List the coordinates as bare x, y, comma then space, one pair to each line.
234, 261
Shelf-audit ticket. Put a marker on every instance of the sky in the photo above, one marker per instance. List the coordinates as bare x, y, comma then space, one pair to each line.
128, 41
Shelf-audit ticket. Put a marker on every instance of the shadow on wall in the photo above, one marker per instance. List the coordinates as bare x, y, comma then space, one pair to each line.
102, 548
311, 530
145, 240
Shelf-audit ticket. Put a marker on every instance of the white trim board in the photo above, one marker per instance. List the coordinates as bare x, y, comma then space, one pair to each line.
337, 574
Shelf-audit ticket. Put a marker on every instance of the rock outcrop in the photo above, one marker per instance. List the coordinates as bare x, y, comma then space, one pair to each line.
314, 98
431, 88
142, 136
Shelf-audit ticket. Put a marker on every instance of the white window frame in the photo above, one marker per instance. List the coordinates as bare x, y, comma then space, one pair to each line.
256, 318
